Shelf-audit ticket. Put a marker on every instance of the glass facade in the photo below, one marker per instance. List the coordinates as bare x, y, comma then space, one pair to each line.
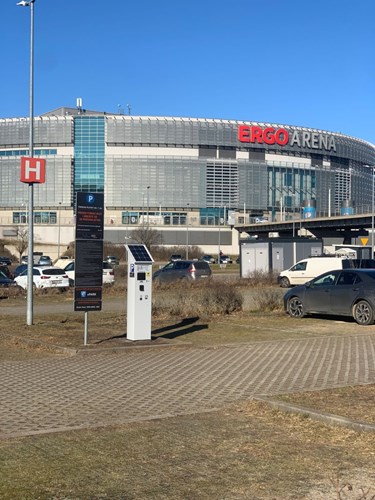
179, 164
89, 150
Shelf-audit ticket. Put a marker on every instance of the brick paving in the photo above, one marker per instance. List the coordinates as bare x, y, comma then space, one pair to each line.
87, 391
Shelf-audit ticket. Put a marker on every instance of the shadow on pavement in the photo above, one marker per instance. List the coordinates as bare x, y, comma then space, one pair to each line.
179, 329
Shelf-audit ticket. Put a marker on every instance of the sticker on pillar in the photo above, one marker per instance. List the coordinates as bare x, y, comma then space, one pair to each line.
131, 271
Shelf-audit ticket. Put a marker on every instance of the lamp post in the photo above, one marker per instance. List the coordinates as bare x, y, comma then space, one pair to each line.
187, 232
59, 231
29, 314
372, 212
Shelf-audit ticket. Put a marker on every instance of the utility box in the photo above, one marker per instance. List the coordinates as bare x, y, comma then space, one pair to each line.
275, 254
139, 304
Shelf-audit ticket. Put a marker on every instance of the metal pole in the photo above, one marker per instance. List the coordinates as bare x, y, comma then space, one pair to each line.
187, 233
58, 238
219, 242
30, 253
85, 335
372, 214
329, 202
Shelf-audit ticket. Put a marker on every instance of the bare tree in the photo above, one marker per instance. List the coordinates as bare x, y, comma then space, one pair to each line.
147, 236
21, 242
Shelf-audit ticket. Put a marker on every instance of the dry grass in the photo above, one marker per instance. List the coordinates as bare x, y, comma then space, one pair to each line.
244, 451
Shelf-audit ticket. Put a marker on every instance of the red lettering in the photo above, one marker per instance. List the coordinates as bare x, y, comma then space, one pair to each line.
282, 136
256, 135
268, 135
244, 133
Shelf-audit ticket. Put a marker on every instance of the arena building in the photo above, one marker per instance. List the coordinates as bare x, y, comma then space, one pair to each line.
186, 177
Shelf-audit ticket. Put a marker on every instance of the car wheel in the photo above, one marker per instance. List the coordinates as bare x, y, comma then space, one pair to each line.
363, 313
71, 282
284, 282
295, 307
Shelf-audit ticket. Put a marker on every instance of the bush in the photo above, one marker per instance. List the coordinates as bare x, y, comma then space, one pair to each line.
268, 300
260, 278
208, 299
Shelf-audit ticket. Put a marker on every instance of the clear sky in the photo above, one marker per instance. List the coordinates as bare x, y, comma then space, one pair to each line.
297, 62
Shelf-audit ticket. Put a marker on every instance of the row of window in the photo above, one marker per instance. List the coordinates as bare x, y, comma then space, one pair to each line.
25, 152
39, 217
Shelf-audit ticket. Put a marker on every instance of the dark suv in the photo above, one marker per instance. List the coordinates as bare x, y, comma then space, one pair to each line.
188, 270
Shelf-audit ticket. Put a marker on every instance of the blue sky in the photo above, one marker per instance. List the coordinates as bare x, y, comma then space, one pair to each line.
297, 62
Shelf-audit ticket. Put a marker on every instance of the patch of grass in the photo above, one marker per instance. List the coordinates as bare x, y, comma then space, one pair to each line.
356, 403
244, 451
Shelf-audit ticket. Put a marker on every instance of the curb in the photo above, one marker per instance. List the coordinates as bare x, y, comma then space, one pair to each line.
320, 416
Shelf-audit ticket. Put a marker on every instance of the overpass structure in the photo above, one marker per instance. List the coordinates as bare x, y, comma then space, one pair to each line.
346, 227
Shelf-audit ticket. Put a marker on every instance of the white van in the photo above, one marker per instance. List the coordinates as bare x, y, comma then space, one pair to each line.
307, 269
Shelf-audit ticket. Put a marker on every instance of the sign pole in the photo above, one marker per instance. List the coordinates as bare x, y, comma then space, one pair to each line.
85, 337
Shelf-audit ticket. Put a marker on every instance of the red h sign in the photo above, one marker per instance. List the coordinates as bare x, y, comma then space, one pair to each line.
33, 170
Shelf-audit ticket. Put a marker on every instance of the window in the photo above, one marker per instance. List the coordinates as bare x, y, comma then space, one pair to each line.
326, 279
300, 266
347, 279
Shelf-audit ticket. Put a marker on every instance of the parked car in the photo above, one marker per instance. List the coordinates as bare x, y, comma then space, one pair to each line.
5, 260
208, 258
108, 274
188, 270
44, 277
113, 260
7, 282
6, 277
19, 270
307, 269
225, 259
348, 292
175, 257
45, 260
5, 272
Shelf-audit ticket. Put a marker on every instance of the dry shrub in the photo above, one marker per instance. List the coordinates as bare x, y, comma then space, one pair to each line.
11, 292
222, 298
268, 300
260, 278
206, 299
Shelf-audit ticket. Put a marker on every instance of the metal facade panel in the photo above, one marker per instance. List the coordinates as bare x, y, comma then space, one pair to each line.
174, 182
57, 188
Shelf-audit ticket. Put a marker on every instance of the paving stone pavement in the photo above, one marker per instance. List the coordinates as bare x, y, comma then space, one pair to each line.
86, 391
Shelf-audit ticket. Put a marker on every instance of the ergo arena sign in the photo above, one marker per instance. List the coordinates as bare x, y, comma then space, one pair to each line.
254, 134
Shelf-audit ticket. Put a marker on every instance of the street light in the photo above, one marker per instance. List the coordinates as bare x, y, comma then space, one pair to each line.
372, 213
29, 314
187, 231
58, 238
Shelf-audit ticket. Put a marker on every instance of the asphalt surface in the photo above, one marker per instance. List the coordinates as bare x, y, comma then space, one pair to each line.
94, 390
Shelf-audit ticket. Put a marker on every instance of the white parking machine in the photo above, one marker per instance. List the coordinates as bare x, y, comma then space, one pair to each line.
139, 292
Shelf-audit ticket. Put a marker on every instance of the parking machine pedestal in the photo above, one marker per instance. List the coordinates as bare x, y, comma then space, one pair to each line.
139, 292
